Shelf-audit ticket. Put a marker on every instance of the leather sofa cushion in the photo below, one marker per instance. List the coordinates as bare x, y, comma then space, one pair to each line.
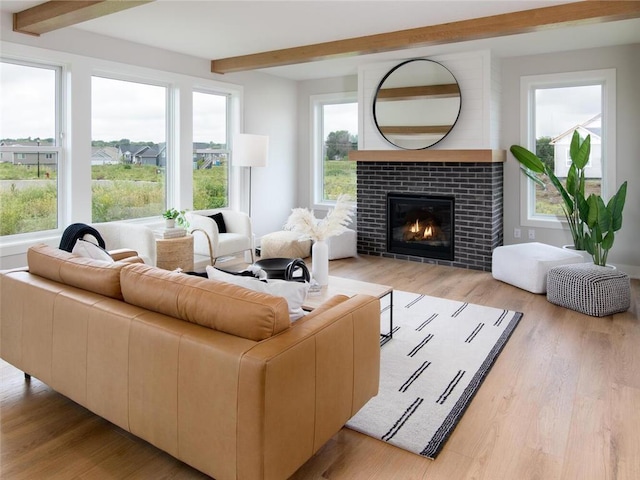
88, 274
210, 303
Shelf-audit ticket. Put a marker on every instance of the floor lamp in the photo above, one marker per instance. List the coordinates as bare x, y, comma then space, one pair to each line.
250, 151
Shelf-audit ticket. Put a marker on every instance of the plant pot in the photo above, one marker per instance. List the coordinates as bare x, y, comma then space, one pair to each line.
585, 255
170, 222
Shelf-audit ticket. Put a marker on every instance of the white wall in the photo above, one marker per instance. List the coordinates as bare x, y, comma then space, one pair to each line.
626, 60
473, 72
270, 108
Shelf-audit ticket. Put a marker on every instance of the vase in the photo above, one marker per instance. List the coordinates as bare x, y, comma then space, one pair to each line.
169, 222
320, 262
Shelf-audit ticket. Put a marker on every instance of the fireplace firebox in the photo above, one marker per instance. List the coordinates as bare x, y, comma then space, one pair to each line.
420, 225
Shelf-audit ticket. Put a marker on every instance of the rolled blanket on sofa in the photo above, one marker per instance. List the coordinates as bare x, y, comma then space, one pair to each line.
75, 231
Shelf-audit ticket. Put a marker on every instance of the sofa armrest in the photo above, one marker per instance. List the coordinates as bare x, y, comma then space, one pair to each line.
206, 238
298, 388
237, 222
122, 253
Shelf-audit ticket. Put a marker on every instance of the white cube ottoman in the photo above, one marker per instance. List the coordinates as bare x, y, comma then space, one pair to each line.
343, 245
525, 265
590, 289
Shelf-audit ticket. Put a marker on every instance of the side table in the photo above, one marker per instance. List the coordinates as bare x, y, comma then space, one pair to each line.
349, 287
175, 253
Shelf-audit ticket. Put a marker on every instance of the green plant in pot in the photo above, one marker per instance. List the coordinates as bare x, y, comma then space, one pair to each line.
602, 221
572, 192
173, 216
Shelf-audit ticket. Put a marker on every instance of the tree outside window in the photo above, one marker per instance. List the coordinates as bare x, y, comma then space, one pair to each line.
337, 130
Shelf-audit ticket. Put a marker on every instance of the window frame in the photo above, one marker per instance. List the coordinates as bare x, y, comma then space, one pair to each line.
170, 164
74, 140
229, 100
607, 79
59, 88
317, 141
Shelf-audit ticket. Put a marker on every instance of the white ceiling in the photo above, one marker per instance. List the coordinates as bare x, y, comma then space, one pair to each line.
217, 29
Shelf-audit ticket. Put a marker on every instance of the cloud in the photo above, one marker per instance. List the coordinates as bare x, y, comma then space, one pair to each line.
560, 109
341, 116
28, 102
122, 109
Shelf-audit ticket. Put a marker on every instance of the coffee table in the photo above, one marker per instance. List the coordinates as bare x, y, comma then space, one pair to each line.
349, 287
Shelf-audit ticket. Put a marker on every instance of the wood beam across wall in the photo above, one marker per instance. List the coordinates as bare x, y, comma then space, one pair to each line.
569, 14
54, 15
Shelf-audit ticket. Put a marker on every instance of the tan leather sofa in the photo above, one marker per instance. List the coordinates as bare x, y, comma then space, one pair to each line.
212, 373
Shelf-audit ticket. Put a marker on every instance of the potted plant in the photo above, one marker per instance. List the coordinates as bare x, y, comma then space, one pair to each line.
602, 221
572, 192
304, 222
173, 216
592, 223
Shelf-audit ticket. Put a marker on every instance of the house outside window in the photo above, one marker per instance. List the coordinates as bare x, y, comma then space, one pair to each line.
335, 133
29, 131
555, 106
210, 150
129, 131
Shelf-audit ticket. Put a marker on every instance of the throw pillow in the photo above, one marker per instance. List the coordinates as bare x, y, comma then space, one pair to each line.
84, 248
293, 292
219, 219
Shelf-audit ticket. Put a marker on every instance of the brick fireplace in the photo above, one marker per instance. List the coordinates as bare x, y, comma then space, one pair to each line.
477, 190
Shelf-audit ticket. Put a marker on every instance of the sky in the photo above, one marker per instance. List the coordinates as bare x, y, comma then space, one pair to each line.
27, 102
560, 109
341, 116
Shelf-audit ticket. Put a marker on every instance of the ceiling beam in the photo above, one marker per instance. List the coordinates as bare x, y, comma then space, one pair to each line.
569, 14
54, 15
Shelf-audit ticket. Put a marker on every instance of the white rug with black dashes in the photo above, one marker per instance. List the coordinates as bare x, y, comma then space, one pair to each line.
439, 355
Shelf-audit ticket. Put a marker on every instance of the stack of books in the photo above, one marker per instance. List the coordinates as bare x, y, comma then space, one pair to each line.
170, 233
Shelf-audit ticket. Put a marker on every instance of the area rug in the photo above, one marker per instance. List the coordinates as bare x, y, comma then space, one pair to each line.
439, 355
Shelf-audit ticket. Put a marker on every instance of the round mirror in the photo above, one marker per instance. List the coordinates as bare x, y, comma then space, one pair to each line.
417, 104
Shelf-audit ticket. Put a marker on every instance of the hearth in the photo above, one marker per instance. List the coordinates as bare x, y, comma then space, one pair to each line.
420, 225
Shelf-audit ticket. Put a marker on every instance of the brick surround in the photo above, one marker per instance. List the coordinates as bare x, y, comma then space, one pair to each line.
478, 192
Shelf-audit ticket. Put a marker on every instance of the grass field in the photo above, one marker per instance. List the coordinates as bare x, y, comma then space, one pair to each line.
30, 203
549, 201
122, 192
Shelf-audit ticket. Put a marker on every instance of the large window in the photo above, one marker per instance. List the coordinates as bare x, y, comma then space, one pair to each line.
29, 149
556, 106
210, 151
335, 133
128, 149
87, 140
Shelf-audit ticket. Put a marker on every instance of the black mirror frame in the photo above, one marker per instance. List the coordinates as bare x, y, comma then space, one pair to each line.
390, 72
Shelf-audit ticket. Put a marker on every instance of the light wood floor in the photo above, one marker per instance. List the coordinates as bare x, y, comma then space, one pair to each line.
561, 402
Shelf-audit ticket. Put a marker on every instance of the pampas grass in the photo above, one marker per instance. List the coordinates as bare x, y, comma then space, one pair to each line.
304, 222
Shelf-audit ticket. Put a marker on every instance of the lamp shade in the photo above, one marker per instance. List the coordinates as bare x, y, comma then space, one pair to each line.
250, 150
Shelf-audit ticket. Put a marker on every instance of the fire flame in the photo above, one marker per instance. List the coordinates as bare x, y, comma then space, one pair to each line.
417, 231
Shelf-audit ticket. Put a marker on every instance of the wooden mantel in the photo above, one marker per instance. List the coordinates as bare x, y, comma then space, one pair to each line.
459, 156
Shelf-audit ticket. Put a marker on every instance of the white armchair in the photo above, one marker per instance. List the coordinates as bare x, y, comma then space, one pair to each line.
209, 243
122, 235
